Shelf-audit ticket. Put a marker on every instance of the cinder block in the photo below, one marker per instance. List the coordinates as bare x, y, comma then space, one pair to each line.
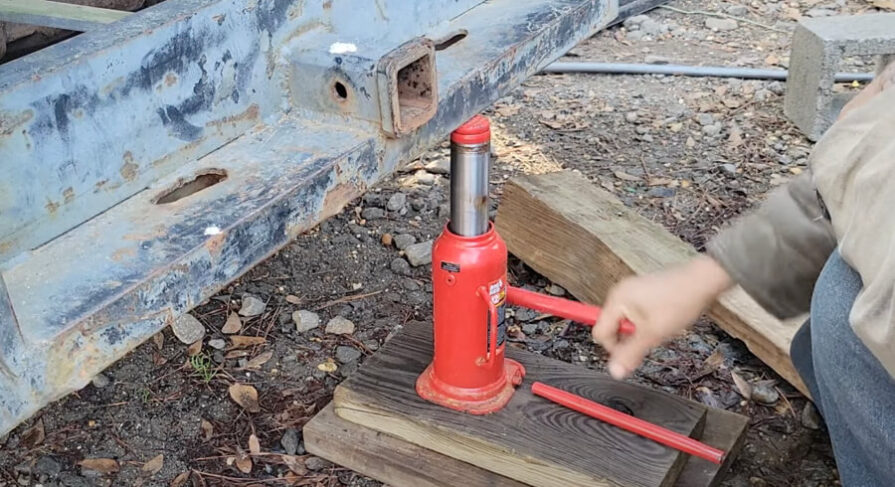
818, 47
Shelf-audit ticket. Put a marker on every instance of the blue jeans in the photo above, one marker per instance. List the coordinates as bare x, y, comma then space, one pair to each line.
851, 389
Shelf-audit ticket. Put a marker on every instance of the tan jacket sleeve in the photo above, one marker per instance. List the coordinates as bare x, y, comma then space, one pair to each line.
777, 252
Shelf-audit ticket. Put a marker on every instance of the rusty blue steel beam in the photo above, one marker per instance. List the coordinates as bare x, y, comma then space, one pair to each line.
93, 272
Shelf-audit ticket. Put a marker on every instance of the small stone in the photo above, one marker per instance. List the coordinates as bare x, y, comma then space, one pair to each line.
530, 328
656, 59
217, 344
785, 160
100, 381
712, 130
764, 393
705, 119
555, 290
410, 285
418, 204
642, 129
524, 314
404, 240
396, 202
188, 329
419, 254
631, 117
660, 192
729, 169
347, 355
439, 166
560, 344
651, 28
387, 239
400, 266
444, 210
289, 441
305, 320
340, 326
635, 35
690, 142
372, 213
721, 24
762, 95
48, 466
810, 418
424, 177
317, 463
635, 21
251, 306
777, 88
738, 10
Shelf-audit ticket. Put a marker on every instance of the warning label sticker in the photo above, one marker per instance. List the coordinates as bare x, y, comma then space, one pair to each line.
498, 292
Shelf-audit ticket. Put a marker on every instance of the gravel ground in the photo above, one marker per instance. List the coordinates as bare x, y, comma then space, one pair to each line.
690, 153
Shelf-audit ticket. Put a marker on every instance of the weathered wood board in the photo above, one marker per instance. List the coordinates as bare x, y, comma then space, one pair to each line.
531, 440
400, 463
585, 239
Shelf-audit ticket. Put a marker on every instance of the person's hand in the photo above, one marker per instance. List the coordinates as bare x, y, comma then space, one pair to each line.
660, 306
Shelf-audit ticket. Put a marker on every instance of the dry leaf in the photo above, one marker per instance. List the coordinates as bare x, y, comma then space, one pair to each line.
180, 480
743, 386
735, 139
291, 299
237, 354
625, 176
732, 103
155, 465
715, 360
660, 181
295, 464
241, 341
34, 436
207, 429
159, 340
884, 4
194, 349
254, 445
246, 396
258, 361
101, 465
233, 324
328, 366
243, 462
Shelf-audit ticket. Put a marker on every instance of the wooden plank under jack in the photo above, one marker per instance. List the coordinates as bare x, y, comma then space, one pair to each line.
400, 463
531, 440
585, 240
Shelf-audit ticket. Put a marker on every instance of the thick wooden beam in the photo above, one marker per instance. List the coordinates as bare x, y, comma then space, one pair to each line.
585, 239
59, 15
400, 463
531, 440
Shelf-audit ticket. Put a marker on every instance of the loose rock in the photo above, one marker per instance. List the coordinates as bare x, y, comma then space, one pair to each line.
48, 466
188, 329
705, 119
419, 254
530, 328
424, 177
217, 344
652, 28
810, 418
396, 202
400, 266
387, 239
340, 326
251, 306
656, 59
439, 166
635, 22
766, 394
721, 24
289, 441
100, 381
404, 240
555, 290
305, 320
729, 169
631, 117
316, 463
737, 10
712, 130
347, 355
372, 213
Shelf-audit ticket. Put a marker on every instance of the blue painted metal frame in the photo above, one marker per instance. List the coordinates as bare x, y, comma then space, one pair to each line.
94, 129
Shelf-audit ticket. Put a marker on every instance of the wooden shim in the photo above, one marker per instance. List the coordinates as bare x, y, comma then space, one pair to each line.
400, 463
59, 15
585, 239
531, 440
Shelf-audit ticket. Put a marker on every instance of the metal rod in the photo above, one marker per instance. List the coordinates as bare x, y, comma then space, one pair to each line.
684, 70
629, 423
470, 164
564, 308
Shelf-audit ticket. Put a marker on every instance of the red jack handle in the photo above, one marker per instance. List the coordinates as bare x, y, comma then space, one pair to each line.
638, 426
572, 310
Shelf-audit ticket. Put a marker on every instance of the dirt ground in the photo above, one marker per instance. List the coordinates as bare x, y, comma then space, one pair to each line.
690, 153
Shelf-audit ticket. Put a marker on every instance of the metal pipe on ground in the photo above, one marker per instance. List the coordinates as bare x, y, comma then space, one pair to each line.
685, 70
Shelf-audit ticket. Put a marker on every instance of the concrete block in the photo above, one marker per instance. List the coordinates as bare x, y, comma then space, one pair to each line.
818, 47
